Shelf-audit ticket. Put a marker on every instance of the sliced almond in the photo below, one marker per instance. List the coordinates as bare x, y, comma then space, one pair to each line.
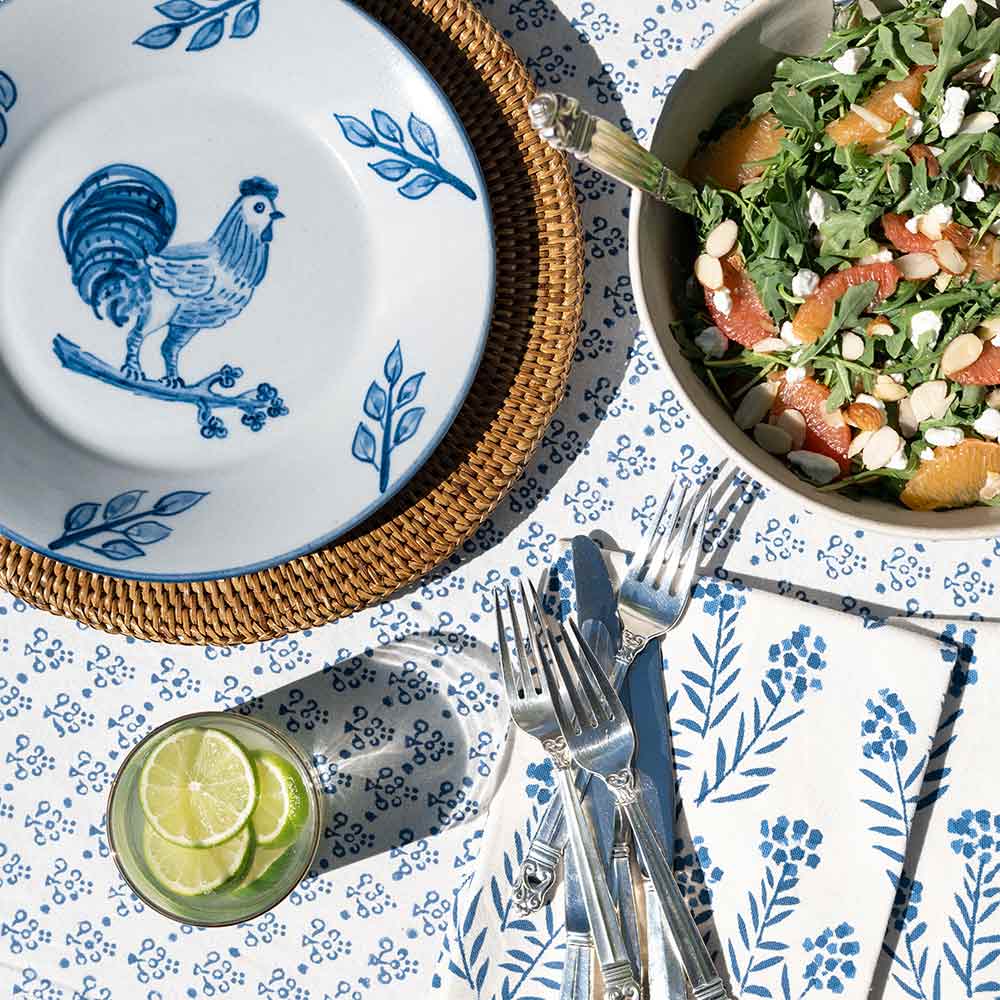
755, 405
794, 424
864, 416
835, 418
993, 400
917, 266
989, 328
881, 447
963, 351
708, 271
948, 257
774, 439
929, 226
817, 468
879, 327
852, 346
908, 423
877, 122
978, 122
722, 239
942, 280
927, 400
858, 444
888, 390
769, 345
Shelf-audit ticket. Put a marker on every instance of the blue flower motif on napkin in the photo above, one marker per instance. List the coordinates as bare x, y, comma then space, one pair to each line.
797, 662
831, 959
887, 721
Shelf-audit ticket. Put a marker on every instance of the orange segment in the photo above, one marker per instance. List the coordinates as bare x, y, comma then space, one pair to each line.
985, 370
826, 433
954, 477
747, 322
853, 128
814, 315
731, 160
983, 259
902, 239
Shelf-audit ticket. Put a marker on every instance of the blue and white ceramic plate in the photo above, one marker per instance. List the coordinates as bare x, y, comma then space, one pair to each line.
246, 275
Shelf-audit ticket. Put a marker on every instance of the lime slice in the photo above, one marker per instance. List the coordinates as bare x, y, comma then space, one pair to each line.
198, 788
193, 871
268, 866
283, 806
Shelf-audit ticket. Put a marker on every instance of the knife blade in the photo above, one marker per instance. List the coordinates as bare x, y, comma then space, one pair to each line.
655, 773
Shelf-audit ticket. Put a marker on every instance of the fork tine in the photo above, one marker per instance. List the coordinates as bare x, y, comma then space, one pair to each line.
593, 694
537, 652
663, 529
589, 667
555, 694
686, 578
522, 672
672, 559
580, 709
506, 670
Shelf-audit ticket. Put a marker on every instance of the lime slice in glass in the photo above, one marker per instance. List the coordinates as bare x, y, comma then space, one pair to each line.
282, 806
197, 788
268, 867
193, 871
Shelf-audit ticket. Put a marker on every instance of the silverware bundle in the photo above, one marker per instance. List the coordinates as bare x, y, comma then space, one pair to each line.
595, 701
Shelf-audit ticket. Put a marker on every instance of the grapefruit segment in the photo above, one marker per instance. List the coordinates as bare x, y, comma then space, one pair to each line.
903, 240
731, 160
826, 433
954, 477
853, 128
985, 370
814, 315
982, 260
747, 321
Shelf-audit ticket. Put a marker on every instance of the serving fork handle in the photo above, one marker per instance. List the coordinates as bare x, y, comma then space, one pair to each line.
536, 881
706, 984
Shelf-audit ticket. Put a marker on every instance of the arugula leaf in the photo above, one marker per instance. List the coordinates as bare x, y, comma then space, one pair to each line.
795, 109
956, 28
913, 39
846, 232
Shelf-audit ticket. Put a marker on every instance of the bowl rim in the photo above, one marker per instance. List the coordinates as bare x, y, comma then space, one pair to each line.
813, 501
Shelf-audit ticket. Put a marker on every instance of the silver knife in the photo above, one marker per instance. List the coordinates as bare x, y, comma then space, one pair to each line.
655, 772
578, 962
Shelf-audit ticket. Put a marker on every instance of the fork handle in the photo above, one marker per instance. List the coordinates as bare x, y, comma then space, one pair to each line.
616, 969
536, 882
706, 983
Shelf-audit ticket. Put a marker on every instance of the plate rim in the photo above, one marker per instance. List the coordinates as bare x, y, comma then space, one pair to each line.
418, 462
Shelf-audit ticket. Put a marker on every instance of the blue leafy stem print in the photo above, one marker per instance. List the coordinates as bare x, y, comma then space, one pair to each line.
209, 22
795, 661
911, 959
788, 848
8, 98
130, 528
383, 405
388, 136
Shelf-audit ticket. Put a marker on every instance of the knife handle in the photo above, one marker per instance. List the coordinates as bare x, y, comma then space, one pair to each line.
666, 974
623, 889
536, 882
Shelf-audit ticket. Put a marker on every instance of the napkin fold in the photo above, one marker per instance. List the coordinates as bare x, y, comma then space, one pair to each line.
806, 741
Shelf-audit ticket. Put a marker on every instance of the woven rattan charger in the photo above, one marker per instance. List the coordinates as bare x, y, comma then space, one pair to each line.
539, 290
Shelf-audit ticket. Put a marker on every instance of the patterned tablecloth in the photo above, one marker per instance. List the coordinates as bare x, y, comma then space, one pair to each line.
408, 736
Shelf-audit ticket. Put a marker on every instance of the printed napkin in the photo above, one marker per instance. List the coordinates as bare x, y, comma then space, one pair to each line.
805, 741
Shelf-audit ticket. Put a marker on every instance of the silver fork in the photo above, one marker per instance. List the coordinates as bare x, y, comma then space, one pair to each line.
650, 603
532, 711
599, 738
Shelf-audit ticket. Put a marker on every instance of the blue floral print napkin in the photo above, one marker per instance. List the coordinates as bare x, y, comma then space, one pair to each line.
801, 741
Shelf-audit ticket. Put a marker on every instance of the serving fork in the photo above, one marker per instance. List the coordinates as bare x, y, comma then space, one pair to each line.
651, 601
533, 712
598, 737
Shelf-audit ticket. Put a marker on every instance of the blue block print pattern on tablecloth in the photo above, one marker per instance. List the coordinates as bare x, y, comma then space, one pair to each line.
122, 531
8, 98
145, 285
396, 422
422, 173
203, 25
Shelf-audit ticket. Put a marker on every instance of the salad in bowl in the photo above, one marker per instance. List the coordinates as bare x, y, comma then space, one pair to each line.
844, 304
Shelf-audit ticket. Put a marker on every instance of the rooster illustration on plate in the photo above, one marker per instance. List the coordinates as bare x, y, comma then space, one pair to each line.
116, 231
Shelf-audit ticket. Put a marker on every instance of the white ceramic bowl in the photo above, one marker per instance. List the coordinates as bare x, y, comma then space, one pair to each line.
738, 65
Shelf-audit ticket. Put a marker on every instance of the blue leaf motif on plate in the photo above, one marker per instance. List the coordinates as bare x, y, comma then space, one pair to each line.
123, 504
179, 10
408, 425
128, 528
391, 170
356, 131
160, 37
246, 21
424, 137
387, 126
208, 35
8, 92
419, 187
394, 426
387, 135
